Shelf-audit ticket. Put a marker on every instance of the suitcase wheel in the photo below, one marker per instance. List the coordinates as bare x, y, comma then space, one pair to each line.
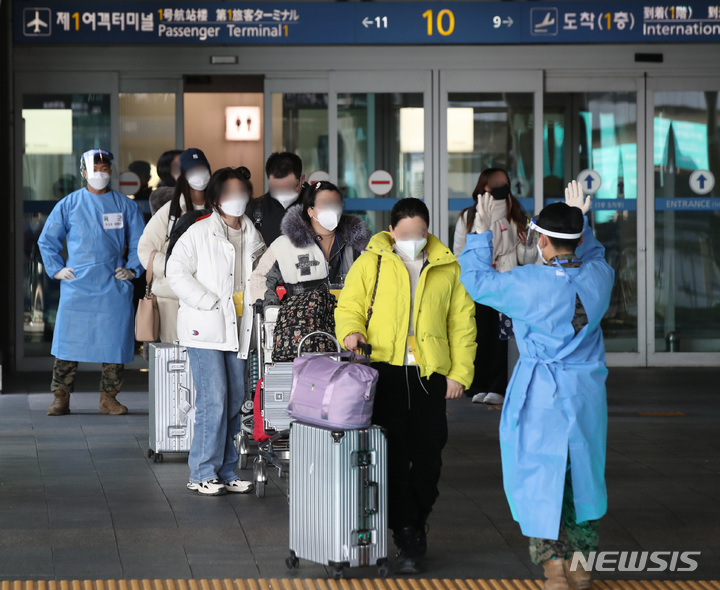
150, 453
158, 458
260, 489
383, 570
292, 562
338, 573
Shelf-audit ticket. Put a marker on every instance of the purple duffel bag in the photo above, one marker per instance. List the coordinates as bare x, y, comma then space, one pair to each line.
333, 391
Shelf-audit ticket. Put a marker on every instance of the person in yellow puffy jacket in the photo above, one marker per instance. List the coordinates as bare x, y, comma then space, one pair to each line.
403, 296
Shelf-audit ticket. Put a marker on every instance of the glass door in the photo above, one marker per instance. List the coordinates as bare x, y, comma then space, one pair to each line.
683, 225
487, 120
380, 135
365, 131
59, 117
592, 132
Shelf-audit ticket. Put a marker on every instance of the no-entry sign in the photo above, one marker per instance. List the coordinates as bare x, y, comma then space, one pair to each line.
129, 183
380, 182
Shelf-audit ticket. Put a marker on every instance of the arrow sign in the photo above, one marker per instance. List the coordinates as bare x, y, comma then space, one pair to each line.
590, 180
701, 182
367, 22
509, 22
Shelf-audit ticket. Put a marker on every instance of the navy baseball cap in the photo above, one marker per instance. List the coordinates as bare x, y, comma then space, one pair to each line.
192, 157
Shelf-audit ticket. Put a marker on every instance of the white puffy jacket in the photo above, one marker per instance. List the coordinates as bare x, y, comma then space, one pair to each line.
200, 272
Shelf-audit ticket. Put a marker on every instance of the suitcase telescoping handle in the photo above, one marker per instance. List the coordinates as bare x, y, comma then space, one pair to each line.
318, 333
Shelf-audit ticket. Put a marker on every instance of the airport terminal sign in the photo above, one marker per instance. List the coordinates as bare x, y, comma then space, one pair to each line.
364, 23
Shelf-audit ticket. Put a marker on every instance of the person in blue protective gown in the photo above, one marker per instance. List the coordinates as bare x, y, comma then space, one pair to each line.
553, 427
95, 315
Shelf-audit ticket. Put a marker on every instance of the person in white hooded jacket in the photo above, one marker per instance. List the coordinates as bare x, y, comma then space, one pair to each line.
189, 194
209, 270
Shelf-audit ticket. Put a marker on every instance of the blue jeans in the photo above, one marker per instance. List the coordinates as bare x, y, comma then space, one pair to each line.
219, 379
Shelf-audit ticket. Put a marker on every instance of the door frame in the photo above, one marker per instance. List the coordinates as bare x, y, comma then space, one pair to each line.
659, 83
48, 83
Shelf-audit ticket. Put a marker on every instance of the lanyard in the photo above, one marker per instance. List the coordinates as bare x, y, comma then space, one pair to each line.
242, 252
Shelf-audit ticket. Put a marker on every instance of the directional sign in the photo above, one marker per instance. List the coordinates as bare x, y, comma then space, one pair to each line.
701, 182
318, 176
129, 183
590, 181
380, 182
116, 22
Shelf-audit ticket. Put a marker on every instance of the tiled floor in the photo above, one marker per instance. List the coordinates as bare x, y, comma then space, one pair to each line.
80, 500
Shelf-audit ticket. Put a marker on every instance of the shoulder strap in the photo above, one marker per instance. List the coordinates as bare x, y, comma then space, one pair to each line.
149, 277
374, 293
258, 213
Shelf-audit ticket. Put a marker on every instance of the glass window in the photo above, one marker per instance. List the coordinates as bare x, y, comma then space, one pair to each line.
687, 216
598, 131
488, 130
147, 129
380, 131
304, 128
58, 129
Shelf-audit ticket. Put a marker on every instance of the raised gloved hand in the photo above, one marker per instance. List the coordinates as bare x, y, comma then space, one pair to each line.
124, 274
65, 274
575, 198
483, 214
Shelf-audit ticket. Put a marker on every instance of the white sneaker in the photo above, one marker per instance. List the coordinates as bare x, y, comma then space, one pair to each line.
479, 398
494, 399
207, 488
238, 486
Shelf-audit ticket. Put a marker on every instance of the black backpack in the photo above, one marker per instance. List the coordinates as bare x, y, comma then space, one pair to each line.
180, 227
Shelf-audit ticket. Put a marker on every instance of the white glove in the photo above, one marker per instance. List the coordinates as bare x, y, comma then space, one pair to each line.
124, 274
65, 274
483, 215
574, 197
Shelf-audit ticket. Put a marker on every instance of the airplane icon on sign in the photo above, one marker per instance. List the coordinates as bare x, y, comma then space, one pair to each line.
544, 21
37, 26
37, 23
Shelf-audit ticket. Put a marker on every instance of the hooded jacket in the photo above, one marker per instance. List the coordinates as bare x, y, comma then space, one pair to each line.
296, 260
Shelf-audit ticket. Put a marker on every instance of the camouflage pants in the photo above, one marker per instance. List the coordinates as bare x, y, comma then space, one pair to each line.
574, 536
64, 372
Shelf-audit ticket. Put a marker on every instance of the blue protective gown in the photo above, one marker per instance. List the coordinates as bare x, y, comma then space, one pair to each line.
556, 406
95, 315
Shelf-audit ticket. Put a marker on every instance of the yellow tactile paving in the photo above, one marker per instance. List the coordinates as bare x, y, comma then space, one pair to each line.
350, 584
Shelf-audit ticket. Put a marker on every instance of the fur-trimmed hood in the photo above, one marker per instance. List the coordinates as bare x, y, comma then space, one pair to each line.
351, 230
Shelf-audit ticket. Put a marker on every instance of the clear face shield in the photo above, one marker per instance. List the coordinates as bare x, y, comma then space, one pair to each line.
532, 249
97, 167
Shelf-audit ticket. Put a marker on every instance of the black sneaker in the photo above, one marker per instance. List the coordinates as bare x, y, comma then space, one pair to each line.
406, 540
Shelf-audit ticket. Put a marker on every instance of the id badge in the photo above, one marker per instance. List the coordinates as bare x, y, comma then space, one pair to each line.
411, 351
238, 297
112, 220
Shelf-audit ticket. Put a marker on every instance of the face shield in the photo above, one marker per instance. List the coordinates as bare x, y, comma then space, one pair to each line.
98, 169
533, 236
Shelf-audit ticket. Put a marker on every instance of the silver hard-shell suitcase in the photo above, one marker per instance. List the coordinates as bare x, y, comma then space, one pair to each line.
172, 400
276, 396
338, 498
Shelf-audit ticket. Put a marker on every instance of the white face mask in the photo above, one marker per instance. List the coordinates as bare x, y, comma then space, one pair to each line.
98, 180
411, 248
285, 198
539, 249
199, 180
329, 217
235, 205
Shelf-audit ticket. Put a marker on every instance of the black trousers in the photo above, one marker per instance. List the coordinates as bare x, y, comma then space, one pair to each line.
491, 359
412, 412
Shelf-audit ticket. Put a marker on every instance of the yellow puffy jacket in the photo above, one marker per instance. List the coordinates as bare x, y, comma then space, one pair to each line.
444, 313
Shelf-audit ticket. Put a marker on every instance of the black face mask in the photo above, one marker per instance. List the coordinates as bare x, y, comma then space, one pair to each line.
501, 193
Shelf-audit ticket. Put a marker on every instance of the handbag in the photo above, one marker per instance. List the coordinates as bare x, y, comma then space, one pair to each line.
333, 390
147, 317
300, 315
